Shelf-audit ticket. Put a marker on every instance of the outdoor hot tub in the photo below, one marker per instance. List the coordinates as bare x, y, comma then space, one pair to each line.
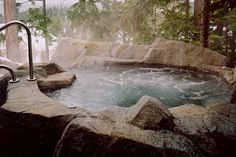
105, 111
99, 88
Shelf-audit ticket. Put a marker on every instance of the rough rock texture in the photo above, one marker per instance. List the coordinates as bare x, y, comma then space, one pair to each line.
94, 61
160, 52
182, 54
92, 137
3, 90
189, 118
225, 72
150, 113
56, 81
31, 124
29, 135
25, 97
212, 129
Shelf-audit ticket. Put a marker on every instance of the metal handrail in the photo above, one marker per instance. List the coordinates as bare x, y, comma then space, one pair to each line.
31, 74
14, 79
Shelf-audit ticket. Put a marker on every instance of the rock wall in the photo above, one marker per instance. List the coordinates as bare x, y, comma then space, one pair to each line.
71, 53
182, 54
3, 90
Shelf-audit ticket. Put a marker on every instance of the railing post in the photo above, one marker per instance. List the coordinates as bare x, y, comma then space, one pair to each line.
31, 74
14, 79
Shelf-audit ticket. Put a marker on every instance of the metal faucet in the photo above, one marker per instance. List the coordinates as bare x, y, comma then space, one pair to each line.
14, 79
31, 74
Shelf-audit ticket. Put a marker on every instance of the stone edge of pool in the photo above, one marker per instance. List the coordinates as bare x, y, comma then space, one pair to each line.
32, 124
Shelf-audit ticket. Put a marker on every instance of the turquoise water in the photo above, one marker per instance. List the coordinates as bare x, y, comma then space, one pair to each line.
123, 86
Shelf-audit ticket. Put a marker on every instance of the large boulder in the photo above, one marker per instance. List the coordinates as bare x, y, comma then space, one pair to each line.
56, 81
71, 52
178, 53
124, 51
150, 113
96, 137
212, 128
29, 135
189, 119
221, 119
80, 50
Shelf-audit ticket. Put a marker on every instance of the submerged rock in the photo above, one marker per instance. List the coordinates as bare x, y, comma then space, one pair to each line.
150, 113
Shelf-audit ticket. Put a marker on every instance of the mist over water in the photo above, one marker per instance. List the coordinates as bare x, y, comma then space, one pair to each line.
123, 86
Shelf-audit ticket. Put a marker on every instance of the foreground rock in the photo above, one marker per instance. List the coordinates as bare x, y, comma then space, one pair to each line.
3, 90
95, 137
50, 129
212, 129
31, 124
29, 135
150, 113
56, 81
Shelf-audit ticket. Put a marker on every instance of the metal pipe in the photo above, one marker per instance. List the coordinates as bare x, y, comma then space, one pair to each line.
14, 79
31, 74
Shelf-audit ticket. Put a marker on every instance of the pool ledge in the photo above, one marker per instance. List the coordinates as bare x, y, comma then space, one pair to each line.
25, 97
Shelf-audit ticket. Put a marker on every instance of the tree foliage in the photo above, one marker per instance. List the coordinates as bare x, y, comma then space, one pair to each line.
141, 21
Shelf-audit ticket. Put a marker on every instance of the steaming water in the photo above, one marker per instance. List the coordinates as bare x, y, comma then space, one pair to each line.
124, 86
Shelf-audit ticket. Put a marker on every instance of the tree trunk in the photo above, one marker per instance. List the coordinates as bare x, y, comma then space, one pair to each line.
197, 13
12, 44
197, 17
187, 3
205, 24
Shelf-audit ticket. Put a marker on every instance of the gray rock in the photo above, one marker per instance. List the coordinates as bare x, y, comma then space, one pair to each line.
150, 113
178, 53
189, 119
221, 119
212, 128
29, 135
56, 81
94, 137
3, 90
160, 52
